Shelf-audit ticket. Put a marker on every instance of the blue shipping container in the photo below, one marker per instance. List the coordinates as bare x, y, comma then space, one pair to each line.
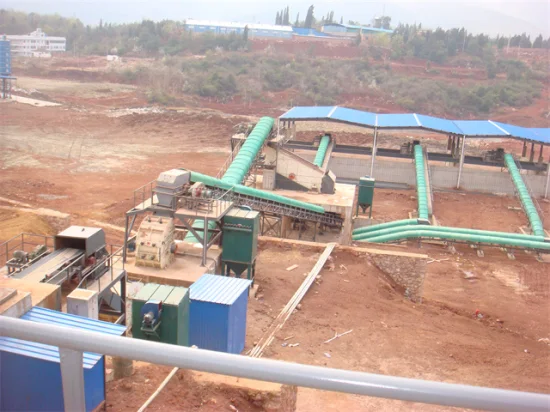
217, 312
30, 373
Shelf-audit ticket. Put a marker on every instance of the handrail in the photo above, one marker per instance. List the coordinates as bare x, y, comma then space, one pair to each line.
20, 243
109, 260
230, 159
361, 383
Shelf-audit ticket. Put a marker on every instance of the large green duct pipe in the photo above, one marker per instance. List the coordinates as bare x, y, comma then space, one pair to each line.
526, 201
374, 228
321, 151
199, 224
240, 166
447, 230
419, 233
421, 188
249, 191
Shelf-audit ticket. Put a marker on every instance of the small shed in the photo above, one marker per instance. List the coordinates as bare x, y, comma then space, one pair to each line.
218, 313
30, 373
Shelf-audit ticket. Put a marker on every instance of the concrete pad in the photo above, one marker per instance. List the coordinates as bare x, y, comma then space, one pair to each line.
41, 294
33, 102
183, 271
271, 396
6, 294
17, 305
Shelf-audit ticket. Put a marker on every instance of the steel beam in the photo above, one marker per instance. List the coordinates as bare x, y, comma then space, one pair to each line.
373, 156
361, 383
461, 164
72, 377
547, 180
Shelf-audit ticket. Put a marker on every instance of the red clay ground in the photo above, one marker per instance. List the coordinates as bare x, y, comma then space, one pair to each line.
439, 339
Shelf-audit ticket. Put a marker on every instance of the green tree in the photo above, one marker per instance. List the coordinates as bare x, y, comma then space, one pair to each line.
342, 20
245, 34
310, 19
537, 44
286, 19
297, 22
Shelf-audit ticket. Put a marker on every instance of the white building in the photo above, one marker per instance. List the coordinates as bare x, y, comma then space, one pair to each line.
29, 44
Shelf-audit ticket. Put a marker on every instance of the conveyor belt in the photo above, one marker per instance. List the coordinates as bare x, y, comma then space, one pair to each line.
50, 264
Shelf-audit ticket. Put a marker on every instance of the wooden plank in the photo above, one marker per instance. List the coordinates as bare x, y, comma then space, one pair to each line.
291, 268
279, 322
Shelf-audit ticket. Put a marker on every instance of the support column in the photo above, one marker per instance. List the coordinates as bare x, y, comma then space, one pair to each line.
204, 242
547, 180
461, 165
540, 154
278, 126
125, 247
449, 142
373, 156
293, 132
524, 150
72, 378
532, 155
453, 147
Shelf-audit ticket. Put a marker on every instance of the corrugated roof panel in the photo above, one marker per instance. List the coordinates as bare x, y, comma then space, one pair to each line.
223, 290
307, 112
437, 124
397, 120
542, 133
51, 353
518, 131
469, 128
482, 128
354, 116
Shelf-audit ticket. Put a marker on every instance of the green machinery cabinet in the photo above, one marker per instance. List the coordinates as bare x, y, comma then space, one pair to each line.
174, 326
240, 242
366, 194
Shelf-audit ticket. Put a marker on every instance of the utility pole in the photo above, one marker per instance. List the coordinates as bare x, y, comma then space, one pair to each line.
464, 41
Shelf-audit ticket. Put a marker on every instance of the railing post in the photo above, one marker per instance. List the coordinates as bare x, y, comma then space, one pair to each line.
72, 377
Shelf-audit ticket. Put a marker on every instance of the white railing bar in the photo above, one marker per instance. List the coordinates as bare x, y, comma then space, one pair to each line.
338, 380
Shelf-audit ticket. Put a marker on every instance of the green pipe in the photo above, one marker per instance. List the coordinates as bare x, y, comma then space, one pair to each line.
321, 151
418, 233
199, 224
448, 230
421, 188
374, 228
240, 166
249, 191
524, 196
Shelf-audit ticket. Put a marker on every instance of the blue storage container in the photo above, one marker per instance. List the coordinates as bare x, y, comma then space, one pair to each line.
30, 373
218, 313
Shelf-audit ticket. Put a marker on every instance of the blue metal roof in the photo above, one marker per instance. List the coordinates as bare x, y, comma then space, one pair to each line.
364, 28
223, 290
397, 120
51, 353
353, 116
468, 128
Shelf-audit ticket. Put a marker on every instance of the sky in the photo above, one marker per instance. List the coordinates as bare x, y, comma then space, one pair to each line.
487, 16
